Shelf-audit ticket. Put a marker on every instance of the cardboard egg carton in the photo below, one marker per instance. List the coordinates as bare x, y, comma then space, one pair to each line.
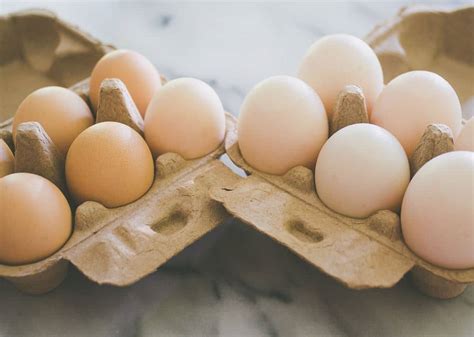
110, 246
38, 49
120, 246
427, 38
362, 253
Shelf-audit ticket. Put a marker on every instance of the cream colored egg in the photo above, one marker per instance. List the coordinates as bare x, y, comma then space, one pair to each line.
412, 101
438, 211
7, 161
109, 163
282, 124
186, 117
335, 61
60, 111
361, 169
137, 73
35, 218
465, 139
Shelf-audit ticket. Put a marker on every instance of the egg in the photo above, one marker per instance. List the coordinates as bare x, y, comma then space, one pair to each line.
109, 163
438, 211
412, 101
7, 161
335, 61
60, 111
361, 169
137, 73
185, 116
282, 124
35, 219
465, 139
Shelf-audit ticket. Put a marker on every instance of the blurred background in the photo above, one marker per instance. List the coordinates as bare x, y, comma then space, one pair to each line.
235, 281
231, 44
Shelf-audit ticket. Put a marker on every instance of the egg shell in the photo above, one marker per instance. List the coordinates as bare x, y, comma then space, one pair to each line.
7, 161
362, 169
414, 100
186, 117
137, 73
109, 163
60, 111
465, 139
335, 61
438, 212
35, 218
282, 124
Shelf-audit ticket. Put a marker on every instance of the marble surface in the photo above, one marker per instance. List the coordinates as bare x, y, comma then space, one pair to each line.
235, 281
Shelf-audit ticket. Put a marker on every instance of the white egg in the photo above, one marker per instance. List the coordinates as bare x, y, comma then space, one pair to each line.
414, 100
438, 211
282, 124
361, 169
465, 139
335, 61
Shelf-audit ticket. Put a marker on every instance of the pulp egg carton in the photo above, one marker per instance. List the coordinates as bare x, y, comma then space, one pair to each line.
364, 253
110, 246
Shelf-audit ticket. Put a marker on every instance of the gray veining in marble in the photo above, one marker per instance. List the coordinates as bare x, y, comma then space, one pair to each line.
235, 281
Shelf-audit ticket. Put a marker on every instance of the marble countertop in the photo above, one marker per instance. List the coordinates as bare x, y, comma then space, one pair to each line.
235, 281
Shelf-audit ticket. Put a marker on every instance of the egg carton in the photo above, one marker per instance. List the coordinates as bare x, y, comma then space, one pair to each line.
363, 253
110, 246
426, 38
38, 49
120, 246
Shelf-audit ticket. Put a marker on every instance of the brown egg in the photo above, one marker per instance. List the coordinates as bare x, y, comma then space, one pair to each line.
137, 73
186, 117
109, 163
60, 111
7, 161
35, 218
